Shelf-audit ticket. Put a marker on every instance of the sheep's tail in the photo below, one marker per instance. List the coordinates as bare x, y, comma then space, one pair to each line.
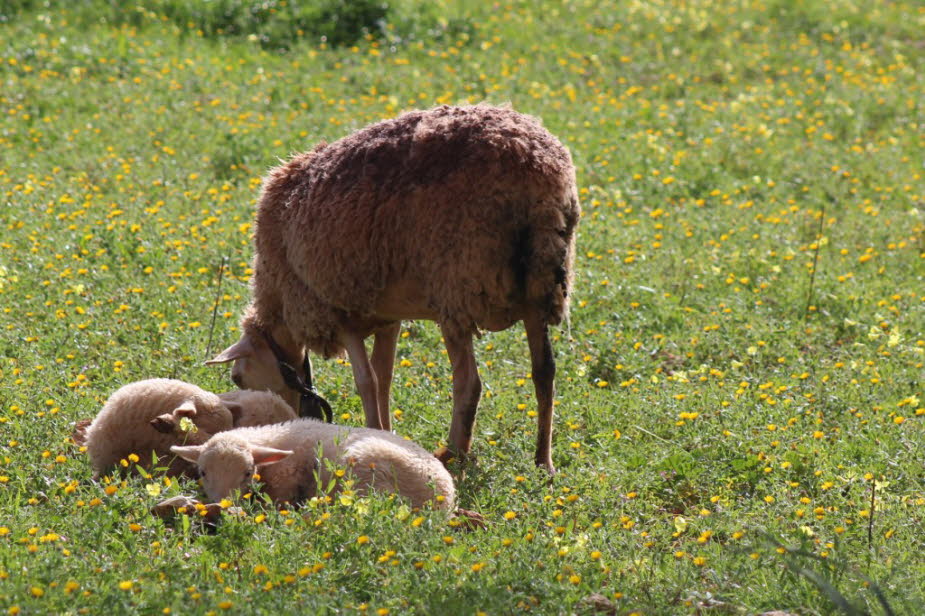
550, 251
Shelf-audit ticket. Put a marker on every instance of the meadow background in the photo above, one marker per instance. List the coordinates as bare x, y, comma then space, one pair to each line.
740, 414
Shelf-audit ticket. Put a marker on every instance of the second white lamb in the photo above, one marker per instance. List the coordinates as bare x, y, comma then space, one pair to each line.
293, 457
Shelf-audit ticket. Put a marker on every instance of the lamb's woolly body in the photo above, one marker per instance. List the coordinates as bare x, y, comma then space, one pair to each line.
258, 408
122, 426
376, 458
463, 215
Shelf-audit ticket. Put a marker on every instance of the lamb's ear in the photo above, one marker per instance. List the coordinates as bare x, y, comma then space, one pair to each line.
267, 455
187, 408
165, 423
189, 453
235, 409
242, 348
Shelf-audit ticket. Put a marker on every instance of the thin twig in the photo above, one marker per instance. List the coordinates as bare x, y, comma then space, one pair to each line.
812, 273
656, 436
870, 519
218, 295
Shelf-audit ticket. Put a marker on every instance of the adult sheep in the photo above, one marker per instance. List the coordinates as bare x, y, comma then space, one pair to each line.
464, 216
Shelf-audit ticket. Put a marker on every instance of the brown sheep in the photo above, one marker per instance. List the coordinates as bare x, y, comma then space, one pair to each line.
461, 215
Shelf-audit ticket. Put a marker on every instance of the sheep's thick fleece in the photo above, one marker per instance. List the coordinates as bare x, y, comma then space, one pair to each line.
122, 426
376, 458
468, 212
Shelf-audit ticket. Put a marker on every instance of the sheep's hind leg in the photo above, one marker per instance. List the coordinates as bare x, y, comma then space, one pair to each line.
544, 374
467, 389
365, 378
383, 362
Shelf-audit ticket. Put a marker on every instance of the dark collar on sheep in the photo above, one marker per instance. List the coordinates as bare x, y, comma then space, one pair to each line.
310, 403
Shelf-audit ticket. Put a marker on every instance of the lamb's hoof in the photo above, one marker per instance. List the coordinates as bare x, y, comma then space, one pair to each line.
210, 513
599, 604
468, 520
79, 434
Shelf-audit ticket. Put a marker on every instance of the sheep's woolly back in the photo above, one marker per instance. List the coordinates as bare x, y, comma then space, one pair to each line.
122, 426
377, 458
258, 408
469, 211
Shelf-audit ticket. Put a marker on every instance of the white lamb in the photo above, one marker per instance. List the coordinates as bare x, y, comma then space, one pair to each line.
144, 418
293, 456
124, 424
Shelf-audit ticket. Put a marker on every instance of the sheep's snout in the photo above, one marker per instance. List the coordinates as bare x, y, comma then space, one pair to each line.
226, 483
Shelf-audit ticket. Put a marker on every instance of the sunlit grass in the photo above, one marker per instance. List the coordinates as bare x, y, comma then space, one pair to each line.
740, 394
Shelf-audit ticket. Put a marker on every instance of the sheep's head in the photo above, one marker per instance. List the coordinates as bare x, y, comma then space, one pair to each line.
255, 366
227, 463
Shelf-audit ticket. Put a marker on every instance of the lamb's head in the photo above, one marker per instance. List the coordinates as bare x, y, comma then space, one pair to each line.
227, 463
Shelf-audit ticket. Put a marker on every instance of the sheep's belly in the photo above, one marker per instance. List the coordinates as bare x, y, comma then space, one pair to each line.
403, 301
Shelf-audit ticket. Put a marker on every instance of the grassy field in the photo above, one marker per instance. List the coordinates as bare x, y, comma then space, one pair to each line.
741, 408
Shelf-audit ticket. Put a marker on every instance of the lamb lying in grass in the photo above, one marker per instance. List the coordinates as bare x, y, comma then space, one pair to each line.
145, 418
292, 457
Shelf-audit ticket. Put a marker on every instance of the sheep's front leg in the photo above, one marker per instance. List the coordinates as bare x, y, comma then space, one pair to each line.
383, 362
365, 378
467, 389
544, 373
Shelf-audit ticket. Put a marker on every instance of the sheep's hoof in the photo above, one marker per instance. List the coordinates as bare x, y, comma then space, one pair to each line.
548, 465
444, 455
448, 456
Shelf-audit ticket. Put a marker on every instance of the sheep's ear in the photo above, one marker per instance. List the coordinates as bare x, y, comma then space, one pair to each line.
242, 348
235, 409
189, 453
165, 423
187, 408
267, 455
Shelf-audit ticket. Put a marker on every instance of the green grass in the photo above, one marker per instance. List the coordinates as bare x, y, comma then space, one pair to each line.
741, 375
